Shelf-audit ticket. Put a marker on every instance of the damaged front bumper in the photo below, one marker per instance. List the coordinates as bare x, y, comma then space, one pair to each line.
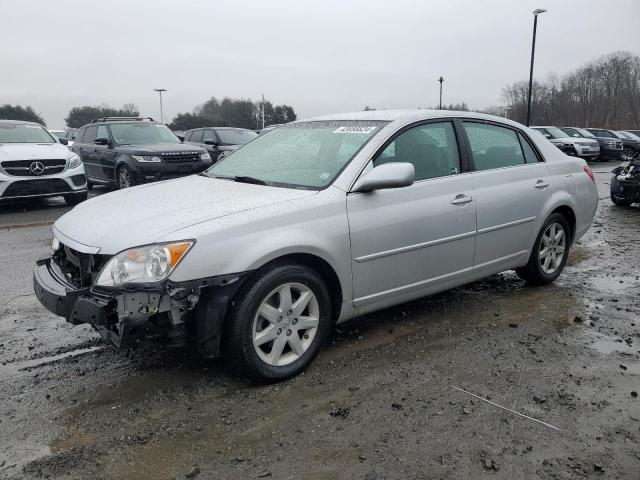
625, 183
174, 313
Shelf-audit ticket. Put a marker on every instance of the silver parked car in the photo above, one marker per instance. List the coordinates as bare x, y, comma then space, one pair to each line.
313, 224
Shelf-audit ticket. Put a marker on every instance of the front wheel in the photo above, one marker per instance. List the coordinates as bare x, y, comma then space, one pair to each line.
124, 177
549, 254
628, 154
279, 322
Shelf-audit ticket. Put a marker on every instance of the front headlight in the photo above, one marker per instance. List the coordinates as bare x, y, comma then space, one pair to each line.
74, 161
141, 265
205, 156
146, 159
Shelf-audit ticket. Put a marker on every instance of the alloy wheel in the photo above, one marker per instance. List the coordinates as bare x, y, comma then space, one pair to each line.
552, 246
627, 154
285, 324
124, 178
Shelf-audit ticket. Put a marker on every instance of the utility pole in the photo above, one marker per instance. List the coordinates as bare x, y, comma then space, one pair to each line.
160, 90
536, 12
441, 80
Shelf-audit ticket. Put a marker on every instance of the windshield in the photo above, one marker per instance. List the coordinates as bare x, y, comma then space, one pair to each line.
585, 133
142, 133
555, 132
631, 136
306, 154
602, 133
24, 133
236, 136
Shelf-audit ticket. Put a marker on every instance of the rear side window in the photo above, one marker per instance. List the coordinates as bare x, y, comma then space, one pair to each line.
529, 154
431, 148
196, 136
493, 146
89, 135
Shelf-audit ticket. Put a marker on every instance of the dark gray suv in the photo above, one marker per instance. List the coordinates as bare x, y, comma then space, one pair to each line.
126, 151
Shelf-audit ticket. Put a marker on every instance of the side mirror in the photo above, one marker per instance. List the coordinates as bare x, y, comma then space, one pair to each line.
547, 135
101, 141
575, 135
210, 142
63, 141
387, 175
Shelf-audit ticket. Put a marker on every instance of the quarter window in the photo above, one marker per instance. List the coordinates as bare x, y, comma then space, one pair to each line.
529, 155
90, 135
431, 148
80, 134
493, 146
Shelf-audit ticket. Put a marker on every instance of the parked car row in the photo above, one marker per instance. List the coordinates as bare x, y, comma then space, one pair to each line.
594, 143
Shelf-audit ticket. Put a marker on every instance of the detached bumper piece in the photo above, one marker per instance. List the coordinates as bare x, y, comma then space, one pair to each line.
625, 183
169, 313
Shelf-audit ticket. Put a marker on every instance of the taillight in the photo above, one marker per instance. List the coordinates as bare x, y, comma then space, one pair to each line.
589, 172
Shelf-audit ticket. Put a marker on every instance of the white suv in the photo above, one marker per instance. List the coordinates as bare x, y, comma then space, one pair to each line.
34, 164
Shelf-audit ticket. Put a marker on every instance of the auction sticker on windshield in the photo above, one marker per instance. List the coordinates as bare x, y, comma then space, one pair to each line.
354, 130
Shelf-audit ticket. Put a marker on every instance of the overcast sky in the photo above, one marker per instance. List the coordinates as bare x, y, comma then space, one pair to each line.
320, 56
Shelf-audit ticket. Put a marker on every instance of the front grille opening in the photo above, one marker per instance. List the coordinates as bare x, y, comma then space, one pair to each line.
43, 186
33, 168
80, 269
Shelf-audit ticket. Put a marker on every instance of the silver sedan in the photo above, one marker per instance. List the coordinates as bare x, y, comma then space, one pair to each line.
314, 223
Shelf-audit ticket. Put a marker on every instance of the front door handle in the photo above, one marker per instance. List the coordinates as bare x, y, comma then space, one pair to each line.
461, 199
541, 184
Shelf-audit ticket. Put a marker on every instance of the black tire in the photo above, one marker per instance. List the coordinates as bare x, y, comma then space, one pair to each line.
75, 198
628, 154
620, 202
237, 344
89, 184
122, 173
533, 272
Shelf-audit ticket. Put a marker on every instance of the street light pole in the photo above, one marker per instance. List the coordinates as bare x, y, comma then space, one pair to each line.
160, 90
441, 80
536, 12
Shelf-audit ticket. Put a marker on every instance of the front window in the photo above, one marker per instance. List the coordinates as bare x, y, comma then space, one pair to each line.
236, 136
302, 155
24, 133
142, 133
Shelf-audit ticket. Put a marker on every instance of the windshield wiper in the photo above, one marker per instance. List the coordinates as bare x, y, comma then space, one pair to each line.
239, 178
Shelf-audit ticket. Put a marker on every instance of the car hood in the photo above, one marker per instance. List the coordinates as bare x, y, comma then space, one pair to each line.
33, 151
160, 148
149, 213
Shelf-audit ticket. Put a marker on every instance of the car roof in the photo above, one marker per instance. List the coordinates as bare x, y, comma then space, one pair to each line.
406, 115
219, 128
19, 122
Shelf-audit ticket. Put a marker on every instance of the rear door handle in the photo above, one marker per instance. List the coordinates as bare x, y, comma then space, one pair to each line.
461, 199
541, 184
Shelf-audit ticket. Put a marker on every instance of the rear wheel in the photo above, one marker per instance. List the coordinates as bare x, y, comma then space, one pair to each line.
124, 177
550, 252
74, 199
278, 324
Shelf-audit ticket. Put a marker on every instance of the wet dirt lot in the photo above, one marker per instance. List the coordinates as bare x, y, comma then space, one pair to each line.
378, 403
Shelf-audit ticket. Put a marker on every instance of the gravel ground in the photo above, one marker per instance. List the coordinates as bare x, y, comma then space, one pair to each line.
390, 396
